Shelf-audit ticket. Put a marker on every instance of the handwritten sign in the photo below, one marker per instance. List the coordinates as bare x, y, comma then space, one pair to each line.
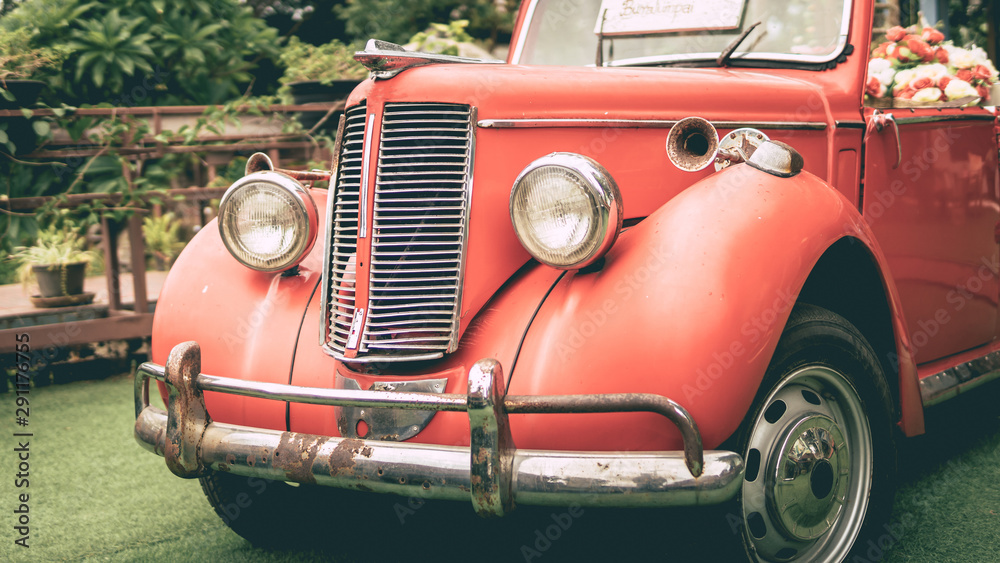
642, 17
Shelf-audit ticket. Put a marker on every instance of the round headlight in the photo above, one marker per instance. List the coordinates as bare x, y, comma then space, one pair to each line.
566, 210
267, 221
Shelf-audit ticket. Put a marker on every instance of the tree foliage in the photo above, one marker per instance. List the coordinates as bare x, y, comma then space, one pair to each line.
398, 20
132, 52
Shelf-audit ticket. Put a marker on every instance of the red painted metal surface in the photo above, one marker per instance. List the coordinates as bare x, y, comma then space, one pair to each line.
247, 322
667, 316
690, 302
935, 217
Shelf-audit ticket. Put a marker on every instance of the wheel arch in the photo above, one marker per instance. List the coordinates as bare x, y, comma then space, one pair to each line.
848, 264
848, 280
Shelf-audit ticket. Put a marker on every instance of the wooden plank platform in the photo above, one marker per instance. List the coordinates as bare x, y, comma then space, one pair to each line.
65, 326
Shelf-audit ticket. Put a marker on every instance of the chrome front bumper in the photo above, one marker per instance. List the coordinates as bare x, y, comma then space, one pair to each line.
495, 474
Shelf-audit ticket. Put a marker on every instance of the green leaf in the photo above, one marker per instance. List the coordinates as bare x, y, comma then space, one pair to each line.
7, 95
27, 113
3, 136
42, 128
97, 73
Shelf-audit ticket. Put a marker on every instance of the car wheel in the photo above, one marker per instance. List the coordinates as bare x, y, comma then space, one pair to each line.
260, 510
819, 445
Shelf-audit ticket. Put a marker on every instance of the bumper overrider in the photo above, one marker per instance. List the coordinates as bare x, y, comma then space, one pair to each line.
495, 474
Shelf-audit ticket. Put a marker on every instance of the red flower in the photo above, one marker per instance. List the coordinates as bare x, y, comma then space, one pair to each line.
919, 48
932, 35
943, 82
906, 94
880, 51
895, 33
941, 55
984, 91
921, 83
964, 75
874, 88
981, 73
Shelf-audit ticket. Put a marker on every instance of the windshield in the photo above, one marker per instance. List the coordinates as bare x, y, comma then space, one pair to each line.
562, 32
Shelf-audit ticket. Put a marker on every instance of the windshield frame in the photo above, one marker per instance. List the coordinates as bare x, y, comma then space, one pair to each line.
766, 59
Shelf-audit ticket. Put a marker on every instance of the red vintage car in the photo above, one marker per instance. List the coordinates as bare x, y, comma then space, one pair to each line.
662, 256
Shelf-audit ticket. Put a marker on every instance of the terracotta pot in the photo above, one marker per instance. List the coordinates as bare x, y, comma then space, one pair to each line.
55, 280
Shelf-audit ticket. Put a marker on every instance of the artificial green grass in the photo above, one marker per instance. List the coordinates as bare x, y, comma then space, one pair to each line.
96, 495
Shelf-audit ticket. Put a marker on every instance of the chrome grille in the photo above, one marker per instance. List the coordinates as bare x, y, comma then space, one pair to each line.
421, 206
418, 231
344, 231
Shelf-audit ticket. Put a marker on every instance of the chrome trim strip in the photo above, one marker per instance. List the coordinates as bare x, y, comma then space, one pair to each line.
456, 315
951, 382
642, 124
357, 328
490, 471
519, 48
845, 28
331, 203
365, 163
940, 118
850, 124
405, 203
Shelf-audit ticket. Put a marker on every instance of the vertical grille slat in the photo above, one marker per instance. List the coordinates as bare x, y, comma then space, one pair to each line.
418, 229
344, 234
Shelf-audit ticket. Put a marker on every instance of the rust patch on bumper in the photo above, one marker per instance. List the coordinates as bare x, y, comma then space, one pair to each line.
296, 454
342, 459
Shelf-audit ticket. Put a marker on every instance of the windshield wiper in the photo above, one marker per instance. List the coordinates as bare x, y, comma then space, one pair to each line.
728, 51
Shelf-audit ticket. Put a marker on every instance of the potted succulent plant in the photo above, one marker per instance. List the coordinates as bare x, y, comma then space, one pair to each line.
324, 73
19, 62
58, 262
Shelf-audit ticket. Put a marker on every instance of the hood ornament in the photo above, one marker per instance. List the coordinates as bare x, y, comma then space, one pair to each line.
386, 60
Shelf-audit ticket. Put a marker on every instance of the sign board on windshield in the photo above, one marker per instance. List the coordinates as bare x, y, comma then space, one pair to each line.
646, 17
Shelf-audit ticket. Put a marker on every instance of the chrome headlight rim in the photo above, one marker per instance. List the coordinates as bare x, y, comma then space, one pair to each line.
602, 187
304, 205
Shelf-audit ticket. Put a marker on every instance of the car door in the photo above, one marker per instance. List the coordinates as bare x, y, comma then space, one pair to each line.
930, 194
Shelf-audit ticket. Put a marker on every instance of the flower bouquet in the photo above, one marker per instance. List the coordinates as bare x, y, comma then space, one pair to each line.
917, 67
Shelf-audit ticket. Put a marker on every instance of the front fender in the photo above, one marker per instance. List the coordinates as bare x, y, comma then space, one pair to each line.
690, 304
247, 322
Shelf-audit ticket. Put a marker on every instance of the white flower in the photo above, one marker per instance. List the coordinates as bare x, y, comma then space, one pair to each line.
904, 77
979, 55
960, 58
927, 95
934, 71
957, 89
882, 70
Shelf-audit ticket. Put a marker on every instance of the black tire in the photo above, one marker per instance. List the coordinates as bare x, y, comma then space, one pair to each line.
824, 395
262, 511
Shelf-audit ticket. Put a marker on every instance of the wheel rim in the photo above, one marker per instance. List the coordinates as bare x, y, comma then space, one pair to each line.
809, 465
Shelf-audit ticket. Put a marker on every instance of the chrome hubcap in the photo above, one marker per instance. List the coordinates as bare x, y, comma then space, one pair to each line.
809, 461
809, 484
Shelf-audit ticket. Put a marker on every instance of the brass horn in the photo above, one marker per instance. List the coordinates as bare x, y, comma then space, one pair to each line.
692, 144
258, 161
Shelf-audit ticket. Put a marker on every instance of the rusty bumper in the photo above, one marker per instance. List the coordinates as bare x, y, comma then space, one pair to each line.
495, 474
